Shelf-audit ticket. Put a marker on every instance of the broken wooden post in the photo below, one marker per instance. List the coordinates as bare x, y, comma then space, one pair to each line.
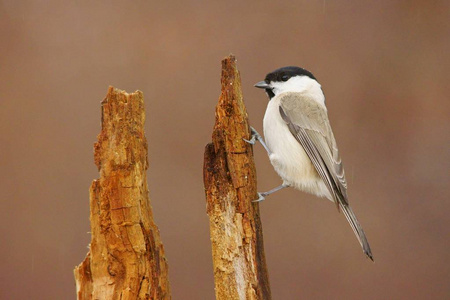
126, 257
240, 270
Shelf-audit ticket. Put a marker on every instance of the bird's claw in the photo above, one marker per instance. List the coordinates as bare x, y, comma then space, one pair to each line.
261, 196
254, 137
251, 141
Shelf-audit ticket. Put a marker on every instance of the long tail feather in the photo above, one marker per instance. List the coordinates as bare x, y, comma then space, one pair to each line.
357, 229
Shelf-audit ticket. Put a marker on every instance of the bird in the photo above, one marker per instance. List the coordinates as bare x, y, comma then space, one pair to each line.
300, 142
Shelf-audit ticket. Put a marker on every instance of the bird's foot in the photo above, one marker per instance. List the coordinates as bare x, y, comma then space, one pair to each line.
262, 196
257, 137
254, 137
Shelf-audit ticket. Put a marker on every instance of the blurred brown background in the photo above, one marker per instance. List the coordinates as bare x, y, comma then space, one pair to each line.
384, 67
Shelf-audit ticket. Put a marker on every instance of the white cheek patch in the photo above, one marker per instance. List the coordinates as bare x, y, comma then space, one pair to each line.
294, 84
299, 84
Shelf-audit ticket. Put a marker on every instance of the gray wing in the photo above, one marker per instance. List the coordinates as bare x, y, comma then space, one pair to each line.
308, 122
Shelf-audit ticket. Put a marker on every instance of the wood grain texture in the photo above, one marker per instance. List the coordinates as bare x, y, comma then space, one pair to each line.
126, 257
240, 270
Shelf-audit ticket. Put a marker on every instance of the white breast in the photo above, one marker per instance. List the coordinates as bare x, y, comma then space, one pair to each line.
288, 157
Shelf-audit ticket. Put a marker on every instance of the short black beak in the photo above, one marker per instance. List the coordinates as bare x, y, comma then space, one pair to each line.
263, 85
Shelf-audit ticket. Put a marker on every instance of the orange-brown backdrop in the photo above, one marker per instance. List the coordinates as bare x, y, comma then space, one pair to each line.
384, 67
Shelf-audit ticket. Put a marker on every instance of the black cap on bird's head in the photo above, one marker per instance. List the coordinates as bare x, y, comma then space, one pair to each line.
282, 74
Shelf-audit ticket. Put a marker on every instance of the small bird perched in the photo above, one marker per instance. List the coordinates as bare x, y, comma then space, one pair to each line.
300, 142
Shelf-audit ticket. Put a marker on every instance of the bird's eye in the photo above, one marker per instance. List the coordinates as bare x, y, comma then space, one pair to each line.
285, 77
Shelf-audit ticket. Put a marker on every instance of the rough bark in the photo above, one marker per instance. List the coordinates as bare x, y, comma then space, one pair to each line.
126, 257
240, 270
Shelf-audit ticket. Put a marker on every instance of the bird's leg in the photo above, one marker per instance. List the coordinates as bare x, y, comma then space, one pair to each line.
257, 137
263, 196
